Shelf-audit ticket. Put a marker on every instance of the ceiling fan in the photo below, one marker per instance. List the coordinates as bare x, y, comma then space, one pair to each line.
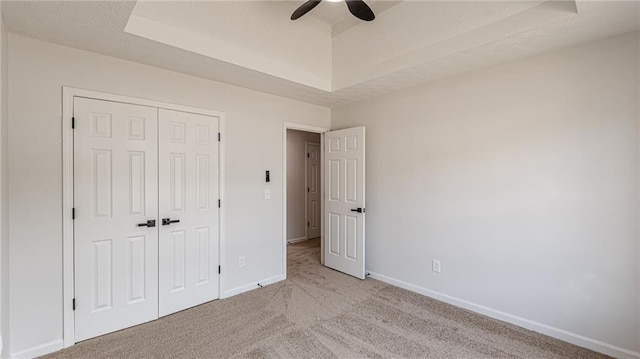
357, 7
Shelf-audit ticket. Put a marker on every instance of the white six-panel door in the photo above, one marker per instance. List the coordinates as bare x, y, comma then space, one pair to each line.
146, 214
313, 190
344, 154
188, 163
115, 189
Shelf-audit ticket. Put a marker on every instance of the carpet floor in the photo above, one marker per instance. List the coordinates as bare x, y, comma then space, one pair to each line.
321, 313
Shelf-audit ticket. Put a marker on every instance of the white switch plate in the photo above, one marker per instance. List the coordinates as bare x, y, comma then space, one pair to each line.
435, 266
267, 194
241, 261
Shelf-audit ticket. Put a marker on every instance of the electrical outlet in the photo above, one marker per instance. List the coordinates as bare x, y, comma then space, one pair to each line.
241, 261
267, 194
435, 266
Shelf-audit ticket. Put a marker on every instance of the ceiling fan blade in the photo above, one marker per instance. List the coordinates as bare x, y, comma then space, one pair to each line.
304, 8
360, 10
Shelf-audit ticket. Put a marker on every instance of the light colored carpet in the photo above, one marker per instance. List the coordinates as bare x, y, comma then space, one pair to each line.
321, 313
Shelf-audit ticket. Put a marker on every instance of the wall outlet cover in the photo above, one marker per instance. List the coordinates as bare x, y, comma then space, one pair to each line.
435, 266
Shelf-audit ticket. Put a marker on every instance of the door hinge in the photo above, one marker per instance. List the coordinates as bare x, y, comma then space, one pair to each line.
307, 189
219, 136
73, 213
218, 203
219, 269
308, 224
73, 122
307, 154
73, 303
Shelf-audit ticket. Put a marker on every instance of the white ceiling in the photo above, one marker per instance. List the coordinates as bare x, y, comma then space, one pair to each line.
327, 57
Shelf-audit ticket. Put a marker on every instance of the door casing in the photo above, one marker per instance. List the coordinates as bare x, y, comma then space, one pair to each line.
68, 94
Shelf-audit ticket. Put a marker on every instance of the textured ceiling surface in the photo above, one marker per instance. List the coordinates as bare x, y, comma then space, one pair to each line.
98, 26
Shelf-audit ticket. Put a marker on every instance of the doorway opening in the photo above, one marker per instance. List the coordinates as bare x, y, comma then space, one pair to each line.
303, 190
303, 204
341, 197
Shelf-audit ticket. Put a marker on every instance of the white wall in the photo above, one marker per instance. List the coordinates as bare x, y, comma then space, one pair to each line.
4, 194
37, 72
296, 187
523, 179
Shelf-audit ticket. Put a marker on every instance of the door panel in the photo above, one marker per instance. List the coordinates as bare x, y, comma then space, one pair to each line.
115, 189
313, 190
188, 167
344, 194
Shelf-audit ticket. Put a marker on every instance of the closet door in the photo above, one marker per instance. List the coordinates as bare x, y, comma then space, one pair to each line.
116, 207
188, 200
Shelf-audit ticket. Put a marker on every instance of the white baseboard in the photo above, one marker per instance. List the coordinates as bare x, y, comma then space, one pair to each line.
296, 240
251, 286
39, 350
563, 335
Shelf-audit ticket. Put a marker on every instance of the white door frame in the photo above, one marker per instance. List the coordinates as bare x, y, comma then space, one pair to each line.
68, 94
308, 128
306, 184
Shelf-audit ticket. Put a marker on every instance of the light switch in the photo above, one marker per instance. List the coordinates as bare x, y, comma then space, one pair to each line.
267, 194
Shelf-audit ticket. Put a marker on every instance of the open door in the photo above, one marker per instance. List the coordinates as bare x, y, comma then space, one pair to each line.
344, 201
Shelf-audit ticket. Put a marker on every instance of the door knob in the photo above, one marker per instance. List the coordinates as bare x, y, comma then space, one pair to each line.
359, 210
149, 223
168, 221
